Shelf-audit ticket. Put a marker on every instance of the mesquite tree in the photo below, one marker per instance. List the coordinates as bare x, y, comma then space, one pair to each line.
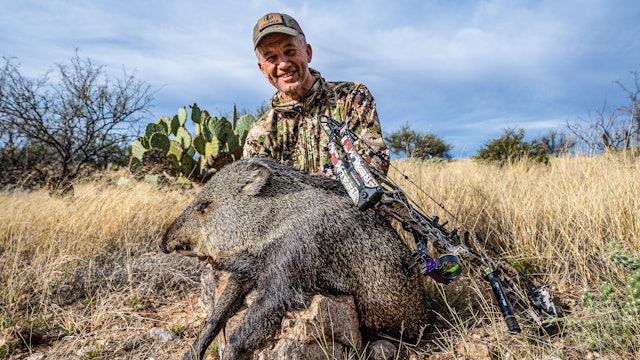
417, 145
74, 116
511, 147
610, 128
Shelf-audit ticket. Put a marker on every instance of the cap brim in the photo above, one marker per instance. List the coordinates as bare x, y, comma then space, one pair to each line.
275, 29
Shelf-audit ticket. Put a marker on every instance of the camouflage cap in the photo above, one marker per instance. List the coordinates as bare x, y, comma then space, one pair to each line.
275, 23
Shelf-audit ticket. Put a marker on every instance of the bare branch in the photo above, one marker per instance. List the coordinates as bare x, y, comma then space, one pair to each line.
609, 129
81, 119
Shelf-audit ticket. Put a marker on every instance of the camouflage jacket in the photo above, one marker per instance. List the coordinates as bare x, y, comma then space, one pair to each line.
290, 131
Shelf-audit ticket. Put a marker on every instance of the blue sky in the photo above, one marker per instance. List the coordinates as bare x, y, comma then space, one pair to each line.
464, 70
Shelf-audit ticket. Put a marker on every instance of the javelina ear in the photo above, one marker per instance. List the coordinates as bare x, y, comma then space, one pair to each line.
255, 179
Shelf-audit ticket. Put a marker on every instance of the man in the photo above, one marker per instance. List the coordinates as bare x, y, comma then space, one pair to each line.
290, 131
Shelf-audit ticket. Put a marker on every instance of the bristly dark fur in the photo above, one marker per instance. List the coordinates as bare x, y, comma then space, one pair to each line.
288, 235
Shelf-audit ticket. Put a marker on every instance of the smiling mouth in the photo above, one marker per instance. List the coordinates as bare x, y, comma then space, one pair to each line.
287, 76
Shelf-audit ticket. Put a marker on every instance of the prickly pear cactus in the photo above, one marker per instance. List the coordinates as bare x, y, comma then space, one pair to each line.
184, 156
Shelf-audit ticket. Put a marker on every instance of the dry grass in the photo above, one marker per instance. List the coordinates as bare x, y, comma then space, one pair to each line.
85, 271
557, 222
562, 215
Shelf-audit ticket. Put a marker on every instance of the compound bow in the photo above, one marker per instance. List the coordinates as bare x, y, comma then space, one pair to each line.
368, 188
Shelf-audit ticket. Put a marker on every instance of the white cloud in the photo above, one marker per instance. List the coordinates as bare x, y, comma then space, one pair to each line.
474, 65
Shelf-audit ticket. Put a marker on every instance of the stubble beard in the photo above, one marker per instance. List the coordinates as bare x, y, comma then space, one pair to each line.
295, 89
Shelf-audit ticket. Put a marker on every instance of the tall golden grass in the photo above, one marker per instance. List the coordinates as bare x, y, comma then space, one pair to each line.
82, 265
88, 264
562, 215
557, 222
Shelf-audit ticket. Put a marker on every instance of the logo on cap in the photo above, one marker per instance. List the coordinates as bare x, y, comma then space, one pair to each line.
268, 20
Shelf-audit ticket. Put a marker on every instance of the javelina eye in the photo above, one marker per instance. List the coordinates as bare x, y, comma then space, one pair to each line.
203, 206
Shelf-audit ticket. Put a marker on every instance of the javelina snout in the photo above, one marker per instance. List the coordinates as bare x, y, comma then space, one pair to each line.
162, 246
164, 242
181, 236
287, 235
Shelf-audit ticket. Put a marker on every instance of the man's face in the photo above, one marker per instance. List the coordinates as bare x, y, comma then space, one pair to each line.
284, 61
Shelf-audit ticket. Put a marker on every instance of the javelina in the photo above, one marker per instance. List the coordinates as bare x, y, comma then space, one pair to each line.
288, 235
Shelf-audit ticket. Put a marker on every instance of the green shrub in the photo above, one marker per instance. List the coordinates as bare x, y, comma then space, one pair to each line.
511, 147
